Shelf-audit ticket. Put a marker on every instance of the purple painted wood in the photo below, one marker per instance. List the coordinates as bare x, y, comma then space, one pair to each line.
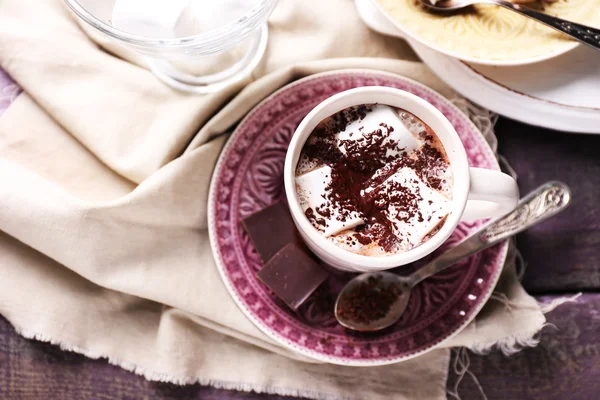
31, 370
563, 253
566, 365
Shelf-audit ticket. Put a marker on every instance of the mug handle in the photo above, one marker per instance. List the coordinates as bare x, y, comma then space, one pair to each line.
492, 194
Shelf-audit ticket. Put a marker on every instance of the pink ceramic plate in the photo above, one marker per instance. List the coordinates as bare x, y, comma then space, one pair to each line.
249, 177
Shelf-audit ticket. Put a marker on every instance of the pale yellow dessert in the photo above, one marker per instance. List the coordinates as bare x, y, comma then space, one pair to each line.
490, 33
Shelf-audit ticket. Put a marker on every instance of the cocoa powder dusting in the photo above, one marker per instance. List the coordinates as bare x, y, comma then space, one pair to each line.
314, 219
369, 301
353, 170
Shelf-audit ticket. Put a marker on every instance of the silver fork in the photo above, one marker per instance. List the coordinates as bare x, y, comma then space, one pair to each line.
584, 34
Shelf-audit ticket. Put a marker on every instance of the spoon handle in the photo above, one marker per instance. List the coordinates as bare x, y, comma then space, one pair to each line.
585, 34
544, 202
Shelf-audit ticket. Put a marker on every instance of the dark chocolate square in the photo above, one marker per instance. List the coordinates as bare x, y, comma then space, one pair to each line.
270, 229
292, 275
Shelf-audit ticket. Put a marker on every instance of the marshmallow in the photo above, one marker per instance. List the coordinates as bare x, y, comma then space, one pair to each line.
432, 205
312, 193
154, 18
381, 114
347, 241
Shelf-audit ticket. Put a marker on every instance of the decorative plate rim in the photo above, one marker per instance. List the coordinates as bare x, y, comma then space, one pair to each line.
284, 342
534, 104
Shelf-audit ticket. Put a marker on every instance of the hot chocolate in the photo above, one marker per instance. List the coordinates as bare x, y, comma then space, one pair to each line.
375, 180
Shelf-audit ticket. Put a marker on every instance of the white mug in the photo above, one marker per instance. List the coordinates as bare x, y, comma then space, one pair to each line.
477, 193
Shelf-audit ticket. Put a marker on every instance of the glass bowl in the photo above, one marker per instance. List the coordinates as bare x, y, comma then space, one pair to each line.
201, 63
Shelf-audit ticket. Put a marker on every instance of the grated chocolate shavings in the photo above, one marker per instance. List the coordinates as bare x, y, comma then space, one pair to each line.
367, 162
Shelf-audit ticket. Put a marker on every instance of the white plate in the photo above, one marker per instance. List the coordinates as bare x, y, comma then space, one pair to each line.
562, 93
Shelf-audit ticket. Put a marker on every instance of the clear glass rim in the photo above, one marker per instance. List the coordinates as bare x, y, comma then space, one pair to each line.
230, 33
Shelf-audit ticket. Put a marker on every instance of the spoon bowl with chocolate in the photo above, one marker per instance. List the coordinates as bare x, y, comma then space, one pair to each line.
376, 300
376, 178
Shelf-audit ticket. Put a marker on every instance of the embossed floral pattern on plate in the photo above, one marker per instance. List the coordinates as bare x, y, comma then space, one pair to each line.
249, 177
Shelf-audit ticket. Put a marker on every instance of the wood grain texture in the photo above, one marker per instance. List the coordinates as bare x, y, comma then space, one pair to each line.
563, 253
566, 365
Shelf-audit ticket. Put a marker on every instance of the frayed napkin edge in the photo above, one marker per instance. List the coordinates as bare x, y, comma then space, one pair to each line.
512, 344
154, 376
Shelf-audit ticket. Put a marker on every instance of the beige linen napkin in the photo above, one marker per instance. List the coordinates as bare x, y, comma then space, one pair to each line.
104, 176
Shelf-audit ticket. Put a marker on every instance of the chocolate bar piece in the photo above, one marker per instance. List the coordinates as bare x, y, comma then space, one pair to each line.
270, 229
292, 275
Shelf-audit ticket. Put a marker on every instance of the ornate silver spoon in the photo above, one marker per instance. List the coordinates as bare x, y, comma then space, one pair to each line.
582, 33
388, 288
